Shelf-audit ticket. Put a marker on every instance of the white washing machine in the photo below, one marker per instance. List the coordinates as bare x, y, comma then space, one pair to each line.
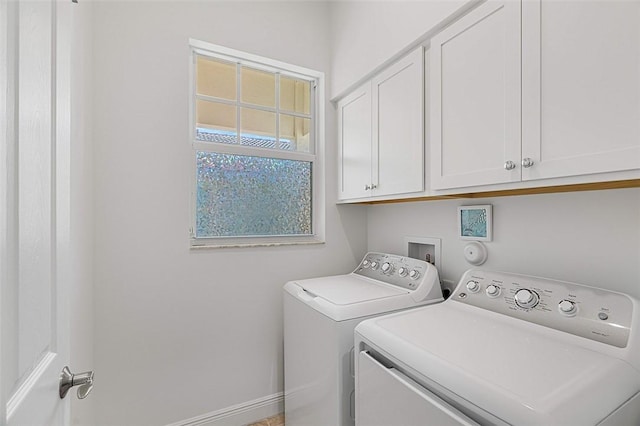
320, 315
504, 349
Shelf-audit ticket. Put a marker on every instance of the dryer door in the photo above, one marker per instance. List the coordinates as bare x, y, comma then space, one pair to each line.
385, 396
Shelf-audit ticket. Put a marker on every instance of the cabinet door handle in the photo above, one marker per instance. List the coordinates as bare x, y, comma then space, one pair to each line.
373, 186
367, 187
527, 162
509, 165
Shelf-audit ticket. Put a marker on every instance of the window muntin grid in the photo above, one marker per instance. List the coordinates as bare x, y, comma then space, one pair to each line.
268, 105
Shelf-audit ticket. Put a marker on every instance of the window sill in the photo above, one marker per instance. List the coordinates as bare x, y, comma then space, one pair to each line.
212, 244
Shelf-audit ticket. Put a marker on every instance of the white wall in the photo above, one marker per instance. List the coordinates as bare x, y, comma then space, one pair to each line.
181, 333
591, 238
365, 34
81, 286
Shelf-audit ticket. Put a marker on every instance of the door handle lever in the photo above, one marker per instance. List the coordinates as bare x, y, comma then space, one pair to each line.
84, 381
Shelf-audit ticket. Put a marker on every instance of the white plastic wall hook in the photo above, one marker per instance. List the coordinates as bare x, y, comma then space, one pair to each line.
475, 252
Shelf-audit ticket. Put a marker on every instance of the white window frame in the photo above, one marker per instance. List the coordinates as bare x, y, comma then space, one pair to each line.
316, 157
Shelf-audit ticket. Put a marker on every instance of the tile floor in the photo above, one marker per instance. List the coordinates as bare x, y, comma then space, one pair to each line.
271, 421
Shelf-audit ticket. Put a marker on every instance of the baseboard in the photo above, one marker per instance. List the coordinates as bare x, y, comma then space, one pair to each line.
240, 414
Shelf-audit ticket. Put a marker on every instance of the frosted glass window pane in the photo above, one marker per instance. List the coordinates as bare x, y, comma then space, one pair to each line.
216, 78
216, 122
252, 196
294, 133
295, 95
257, 126
258, 87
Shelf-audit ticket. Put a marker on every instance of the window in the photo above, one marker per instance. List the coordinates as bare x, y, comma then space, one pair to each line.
256, 133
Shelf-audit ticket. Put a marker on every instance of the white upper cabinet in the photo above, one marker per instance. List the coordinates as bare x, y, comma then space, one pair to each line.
573, 110
581, 87
475, 98
381, 132
398, 134
354, 122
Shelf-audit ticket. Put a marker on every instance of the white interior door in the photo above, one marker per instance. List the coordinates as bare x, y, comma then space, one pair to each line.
34, 210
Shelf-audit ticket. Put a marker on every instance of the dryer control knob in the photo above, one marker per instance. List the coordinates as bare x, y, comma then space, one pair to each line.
366, 263
387, 268
414, 275
403, 271
493, 291
567, 307
473, 286
526, 298
374, 265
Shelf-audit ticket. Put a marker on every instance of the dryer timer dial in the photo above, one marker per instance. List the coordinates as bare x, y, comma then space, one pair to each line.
526, 298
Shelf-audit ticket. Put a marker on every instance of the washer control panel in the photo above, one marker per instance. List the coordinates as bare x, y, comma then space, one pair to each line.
597, 314
400, 271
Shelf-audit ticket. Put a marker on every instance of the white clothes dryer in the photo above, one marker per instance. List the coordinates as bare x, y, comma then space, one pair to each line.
320, 315
504, 349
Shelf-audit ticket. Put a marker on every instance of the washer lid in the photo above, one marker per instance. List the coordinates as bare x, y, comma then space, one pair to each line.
522, 373
349, 289
345, 297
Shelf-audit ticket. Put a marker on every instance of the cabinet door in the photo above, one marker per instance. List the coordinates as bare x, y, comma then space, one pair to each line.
581, 87
475, 98
354, 122
398, 130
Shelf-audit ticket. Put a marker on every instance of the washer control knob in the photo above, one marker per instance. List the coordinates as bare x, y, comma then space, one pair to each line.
403, 271
526, 298
493, 291
473, 286
366, 264
387, 268
414, 275
567, 307
374, 265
